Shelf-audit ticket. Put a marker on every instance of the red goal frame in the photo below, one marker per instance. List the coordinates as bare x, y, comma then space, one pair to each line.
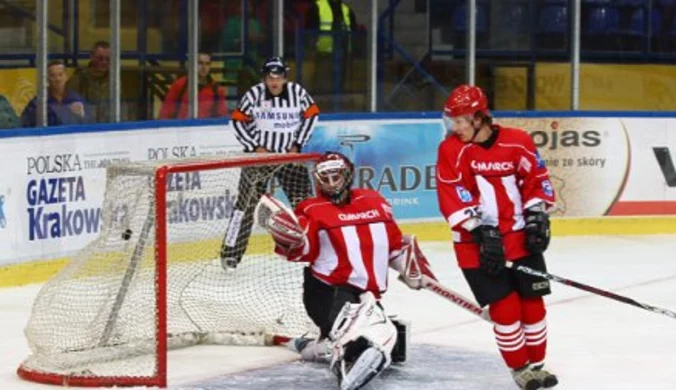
160, 180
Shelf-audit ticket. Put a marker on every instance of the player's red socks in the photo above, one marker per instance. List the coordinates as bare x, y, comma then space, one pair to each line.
534, 328
506, 314
520, 329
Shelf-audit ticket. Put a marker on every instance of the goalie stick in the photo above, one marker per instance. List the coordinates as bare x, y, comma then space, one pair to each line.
591, 289
434, 286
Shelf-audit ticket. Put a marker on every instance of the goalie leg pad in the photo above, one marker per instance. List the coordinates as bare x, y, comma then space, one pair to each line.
363, 338
368, 365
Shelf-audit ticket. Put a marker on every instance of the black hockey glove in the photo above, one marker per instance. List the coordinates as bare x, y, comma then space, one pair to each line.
491, 250
538, 231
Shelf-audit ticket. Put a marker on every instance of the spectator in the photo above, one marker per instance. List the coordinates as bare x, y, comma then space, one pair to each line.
334, 21
211, 96
64, 107
92, 82
8, 118
232, 42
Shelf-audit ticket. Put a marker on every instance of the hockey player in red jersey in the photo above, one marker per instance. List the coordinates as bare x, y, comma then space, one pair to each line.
494, 191
350, 239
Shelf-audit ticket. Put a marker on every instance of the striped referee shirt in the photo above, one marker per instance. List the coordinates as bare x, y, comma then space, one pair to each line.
275, 122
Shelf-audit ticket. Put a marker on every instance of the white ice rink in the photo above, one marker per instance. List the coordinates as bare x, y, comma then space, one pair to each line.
594, 342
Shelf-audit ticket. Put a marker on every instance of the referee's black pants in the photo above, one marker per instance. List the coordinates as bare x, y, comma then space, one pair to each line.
253, 182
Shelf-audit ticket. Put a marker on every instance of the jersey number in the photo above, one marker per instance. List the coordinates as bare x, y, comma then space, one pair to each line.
473, 212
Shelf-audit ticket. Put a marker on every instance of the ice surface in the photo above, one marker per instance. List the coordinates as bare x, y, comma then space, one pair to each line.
594, 342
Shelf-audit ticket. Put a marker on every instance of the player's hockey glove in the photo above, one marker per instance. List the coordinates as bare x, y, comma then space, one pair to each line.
491, 250
538, 230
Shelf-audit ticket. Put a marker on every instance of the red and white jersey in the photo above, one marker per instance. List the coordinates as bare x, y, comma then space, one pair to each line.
349, 244
498, 179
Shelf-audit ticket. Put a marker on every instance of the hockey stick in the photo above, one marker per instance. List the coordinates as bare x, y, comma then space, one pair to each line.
591, 289
434, 286
418, 268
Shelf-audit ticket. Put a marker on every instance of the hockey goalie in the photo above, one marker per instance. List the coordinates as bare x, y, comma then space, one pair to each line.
349, 238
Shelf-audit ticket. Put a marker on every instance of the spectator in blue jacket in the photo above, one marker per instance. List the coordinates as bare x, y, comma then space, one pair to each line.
64, 107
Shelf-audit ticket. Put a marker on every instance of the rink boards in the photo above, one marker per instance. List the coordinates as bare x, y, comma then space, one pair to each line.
613, 174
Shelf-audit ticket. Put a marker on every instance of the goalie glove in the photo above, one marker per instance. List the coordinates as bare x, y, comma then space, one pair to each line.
411, 264
282, 224
286, 233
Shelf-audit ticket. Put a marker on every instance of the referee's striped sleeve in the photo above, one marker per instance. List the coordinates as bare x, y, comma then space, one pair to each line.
244, 123
310, 112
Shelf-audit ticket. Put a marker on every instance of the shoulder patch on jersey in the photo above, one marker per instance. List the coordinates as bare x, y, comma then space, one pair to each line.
463, 194
540, 160
547, 188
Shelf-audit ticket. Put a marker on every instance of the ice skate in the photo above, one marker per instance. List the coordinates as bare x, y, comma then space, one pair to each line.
298, 344
310, 349
545, 377
229, 263
525, 378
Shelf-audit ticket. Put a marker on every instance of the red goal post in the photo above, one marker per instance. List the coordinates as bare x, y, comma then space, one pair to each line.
134, 275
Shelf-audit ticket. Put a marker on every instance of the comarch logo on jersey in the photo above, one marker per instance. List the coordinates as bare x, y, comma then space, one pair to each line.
370, 214
483, 166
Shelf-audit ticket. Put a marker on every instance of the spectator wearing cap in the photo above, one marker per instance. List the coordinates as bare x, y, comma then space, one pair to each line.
211, 96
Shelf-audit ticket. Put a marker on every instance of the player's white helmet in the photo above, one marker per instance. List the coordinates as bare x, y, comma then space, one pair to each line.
334, 174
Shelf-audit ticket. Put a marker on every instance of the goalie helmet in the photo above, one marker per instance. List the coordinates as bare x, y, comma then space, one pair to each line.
334, 174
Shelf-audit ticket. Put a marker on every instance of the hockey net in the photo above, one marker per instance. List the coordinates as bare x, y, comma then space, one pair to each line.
153, 280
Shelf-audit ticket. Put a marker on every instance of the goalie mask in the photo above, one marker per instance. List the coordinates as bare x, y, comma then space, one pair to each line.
334, 174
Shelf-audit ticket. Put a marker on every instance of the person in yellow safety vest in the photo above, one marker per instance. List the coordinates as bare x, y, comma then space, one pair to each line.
331, 50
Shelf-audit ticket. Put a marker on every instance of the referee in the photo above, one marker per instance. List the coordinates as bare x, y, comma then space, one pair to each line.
273, 116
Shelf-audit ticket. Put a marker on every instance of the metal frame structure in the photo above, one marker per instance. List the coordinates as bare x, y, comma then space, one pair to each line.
382, 45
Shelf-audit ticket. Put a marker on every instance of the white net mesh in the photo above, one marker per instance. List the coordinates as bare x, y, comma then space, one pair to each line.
98, 316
